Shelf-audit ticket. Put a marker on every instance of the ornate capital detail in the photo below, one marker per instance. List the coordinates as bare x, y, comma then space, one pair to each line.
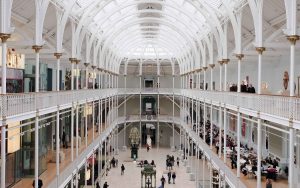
221, 62
93, 67
57, 55
77, 61
293, 39
72, 60
86, 64
212, 66
260, 50
4, 36
37, 48
240, 56
205, 68
226, 61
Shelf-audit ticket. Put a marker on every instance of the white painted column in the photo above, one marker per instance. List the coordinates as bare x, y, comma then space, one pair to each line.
204, 75
220, 130
57, 55
204, 121
220, 86
238, 143
4, 38
57, 141
259, 152
212, 66
158, 112
93, 119
225, 133
72, 132
240, 57
99, 116
77, 74
225, 62
36, 149
76, 129
85, 124
3, 153
260, 51
140, 109
291, 157
211, 124
86, 75
173, 111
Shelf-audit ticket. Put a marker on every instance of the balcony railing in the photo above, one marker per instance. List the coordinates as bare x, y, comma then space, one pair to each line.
281, 106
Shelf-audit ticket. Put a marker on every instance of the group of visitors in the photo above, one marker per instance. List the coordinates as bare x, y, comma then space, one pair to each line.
170, 175
246, 87
170, 162
114, 162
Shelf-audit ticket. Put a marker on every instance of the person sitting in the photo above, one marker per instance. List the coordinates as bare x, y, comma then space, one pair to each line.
141, 163
271, 173
275, 163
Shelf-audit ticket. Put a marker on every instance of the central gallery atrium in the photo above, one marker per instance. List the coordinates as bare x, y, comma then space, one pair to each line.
149, 93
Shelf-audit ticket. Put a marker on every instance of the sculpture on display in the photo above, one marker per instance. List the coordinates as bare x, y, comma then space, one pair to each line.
134, 139
149, 141
285, 80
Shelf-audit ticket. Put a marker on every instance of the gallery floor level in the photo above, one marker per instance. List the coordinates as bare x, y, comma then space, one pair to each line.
160, 93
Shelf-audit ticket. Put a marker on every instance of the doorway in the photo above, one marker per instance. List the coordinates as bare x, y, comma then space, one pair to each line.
148, 83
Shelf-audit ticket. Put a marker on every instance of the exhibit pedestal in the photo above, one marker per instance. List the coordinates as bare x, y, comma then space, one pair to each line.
188, 169
192, 177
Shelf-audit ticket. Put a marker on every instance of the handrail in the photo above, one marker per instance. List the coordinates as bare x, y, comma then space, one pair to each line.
279, 106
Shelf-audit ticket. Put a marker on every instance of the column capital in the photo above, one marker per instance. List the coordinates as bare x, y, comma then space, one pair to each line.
77, 61
226, 61
260, 50
57, 55
221, 62
212, 66
240, 56
37, 48
93, 67
205, 68
86, 64
293, 39
72, 60
4, 36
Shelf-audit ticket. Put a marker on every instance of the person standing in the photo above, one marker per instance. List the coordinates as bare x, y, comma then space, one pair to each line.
105, 185
169, 177
163, 180
63, 138
269, 183
40, 183
122, 169
173, 177
177, 161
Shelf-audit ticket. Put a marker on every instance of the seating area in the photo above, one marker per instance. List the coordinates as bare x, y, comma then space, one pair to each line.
271, 167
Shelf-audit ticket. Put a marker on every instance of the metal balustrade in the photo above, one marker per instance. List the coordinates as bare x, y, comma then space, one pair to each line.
281, 106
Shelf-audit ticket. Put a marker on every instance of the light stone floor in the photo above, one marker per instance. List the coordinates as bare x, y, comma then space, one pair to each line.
132, 176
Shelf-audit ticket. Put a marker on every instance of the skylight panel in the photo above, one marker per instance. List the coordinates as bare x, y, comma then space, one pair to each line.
214, 3
84, 3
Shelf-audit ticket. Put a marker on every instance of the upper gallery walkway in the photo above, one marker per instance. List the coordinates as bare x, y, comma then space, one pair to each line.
279, 109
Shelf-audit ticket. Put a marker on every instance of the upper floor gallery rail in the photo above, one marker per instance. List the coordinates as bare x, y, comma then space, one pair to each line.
282, 106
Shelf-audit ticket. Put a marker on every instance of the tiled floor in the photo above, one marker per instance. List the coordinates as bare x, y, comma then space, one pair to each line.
132, 176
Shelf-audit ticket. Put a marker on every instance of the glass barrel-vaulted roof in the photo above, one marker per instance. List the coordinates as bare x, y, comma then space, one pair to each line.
151, 27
